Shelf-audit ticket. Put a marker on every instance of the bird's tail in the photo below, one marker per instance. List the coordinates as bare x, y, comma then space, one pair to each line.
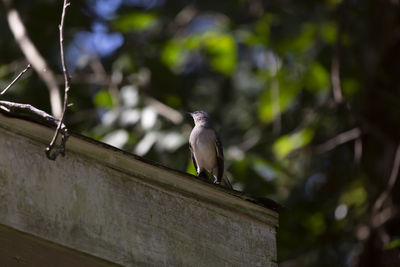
225, 181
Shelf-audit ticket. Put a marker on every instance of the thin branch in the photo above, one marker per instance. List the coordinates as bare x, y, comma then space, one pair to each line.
358, 150
395, 170
378, 219
338, 140
276, 109
15, 80
164, 110
335, 65
392, 181
16, 108
33, 56
61, 148
335, 80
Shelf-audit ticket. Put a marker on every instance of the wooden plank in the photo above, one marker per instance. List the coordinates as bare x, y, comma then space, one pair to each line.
21, 249
118, 207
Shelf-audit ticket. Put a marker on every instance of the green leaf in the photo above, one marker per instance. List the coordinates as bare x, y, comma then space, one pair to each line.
173, 54
355, 196
190, 168
222, 49
395, 243
103, 99
315, 223
329, 32
350, 87
317, 78
301, 42
136, 21
286, 91
287, 143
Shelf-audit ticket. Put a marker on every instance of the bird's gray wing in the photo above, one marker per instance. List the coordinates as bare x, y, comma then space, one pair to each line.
220, 158
193, 158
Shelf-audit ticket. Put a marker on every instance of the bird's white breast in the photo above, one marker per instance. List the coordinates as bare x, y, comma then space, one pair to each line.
202, 141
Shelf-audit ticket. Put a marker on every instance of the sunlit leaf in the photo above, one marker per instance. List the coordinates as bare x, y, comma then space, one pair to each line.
136, 21
190, 168
222, 49
317, 78
286, 91
194, 41
329, 32
173, 54
355, 196
103, 99
287, 143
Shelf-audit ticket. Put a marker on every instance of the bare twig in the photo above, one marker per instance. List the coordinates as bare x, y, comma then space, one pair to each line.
395, 170
164, 110
15, 108
182, 18
338, 140
391, 182
15, 80
276, 109
61, 148
33, 56
358, 150
335, 80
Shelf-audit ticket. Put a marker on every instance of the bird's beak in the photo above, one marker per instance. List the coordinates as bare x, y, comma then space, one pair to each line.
190, 113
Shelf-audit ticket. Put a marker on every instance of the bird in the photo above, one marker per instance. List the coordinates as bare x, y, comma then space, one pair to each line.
206, 149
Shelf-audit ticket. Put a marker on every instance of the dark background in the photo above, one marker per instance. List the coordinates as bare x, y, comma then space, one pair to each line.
305, 95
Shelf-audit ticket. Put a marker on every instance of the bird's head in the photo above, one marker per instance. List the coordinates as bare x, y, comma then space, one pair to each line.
200, 117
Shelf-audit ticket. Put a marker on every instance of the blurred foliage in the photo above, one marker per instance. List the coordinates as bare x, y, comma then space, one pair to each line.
264, 71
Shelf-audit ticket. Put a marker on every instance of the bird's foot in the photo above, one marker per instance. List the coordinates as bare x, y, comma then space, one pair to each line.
216, 181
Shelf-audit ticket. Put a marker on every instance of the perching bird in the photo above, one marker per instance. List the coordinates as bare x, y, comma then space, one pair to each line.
206, 149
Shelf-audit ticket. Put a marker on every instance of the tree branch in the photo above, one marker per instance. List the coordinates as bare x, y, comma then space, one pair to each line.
33, 56
335, 80
61, 148
338, 140
15, 80
15, 108
386, 193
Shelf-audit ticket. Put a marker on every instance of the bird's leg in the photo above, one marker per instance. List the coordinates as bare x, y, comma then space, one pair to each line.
215, 176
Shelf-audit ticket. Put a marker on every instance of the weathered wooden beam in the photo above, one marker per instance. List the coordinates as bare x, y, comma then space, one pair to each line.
116, 206
21, 249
